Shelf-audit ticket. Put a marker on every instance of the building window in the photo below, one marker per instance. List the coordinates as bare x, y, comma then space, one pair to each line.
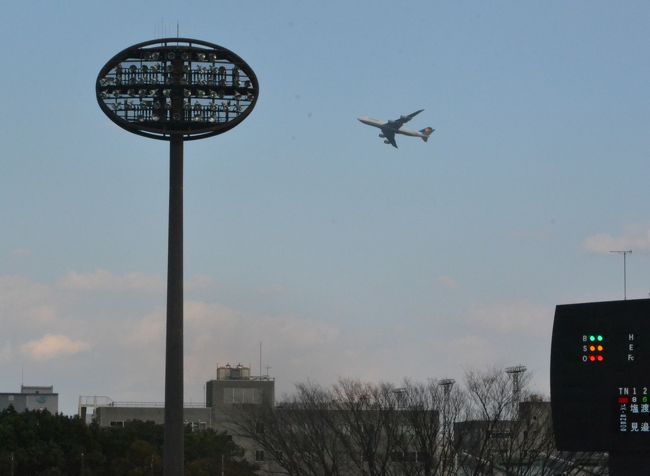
259, 455
234, 395
117, 424
259, 427
11, 398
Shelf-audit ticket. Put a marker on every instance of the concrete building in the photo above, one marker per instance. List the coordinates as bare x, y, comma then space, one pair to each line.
117, 414
233, 386
31, 398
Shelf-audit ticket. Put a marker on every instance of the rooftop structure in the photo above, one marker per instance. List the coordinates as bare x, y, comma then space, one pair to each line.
31, 398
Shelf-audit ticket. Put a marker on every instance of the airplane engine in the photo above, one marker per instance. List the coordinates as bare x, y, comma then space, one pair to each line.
382, 135
386, 141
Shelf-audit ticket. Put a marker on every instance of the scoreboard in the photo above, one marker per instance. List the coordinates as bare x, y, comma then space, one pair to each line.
600, 376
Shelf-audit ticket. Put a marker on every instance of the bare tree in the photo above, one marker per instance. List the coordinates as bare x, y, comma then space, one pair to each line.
427, 414
503, 435
369, 426
299, 434
419, 429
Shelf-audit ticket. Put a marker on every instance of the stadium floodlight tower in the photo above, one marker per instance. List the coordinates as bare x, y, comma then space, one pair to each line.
176, 89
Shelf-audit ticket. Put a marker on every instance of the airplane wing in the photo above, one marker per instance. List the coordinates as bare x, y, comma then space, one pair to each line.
397, 123
389, 135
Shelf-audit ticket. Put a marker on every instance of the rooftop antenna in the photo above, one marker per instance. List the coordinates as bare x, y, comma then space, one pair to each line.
624, 253
260, 360
178, 35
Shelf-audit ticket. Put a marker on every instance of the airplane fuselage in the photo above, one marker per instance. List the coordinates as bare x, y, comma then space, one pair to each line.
390, 128
386, 125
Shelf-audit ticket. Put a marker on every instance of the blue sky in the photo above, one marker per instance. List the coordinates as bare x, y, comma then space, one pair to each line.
303, 230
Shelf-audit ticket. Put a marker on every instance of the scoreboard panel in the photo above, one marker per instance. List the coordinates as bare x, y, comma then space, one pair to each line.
600, 376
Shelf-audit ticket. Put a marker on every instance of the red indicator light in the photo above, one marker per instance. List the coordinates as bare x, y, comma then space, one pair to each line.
592, 358
600, 358
623, 400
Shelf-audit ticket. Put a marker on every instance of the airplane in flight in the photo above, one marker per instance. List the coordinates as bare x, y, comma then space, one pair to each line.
390, 128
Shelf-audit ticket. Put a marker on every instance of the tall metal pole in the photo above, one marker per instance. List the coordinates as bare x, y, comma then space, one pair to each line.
624, 253
173, 443
625, 276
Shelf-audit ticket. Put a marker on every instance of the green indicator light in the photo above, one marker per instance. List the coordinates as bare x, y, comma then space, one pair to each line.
600, 338
644, 399
592, 338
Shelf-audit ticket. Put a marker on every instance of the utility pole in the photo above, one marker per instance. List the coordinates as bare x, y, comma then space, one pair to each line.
624, 253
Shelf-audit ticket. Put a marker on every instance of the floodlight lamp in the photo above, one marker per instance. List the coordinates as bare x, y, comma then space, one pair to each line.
191, 70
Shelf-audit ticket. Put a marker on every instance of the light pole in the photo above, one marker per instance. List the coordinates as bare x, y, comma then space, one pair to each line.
176, 89
515, 372
624, 253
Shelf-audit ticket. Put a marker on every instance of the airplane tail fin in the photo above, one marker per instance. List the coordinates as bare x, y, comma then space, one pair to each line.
426, 133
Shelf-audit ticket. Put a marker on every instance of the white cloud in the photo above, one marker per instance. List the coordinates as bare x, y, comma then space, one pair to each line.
104, 281
448, 282
634, 237
116, 341
516, 317
199, 282
470, 351
21, 253
52, 346
26, 303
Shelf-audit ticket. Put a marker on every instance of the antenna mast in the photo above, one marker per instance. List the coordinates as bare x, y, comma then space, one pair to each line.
260, 360
624, 253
